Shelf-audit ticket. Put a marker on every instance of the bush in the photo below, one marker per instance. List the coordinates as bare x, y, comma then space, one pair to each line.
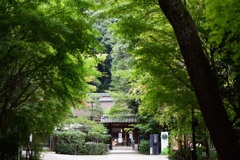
73, 142
96, 148
179, 154
8, 146
144, 147
165, 151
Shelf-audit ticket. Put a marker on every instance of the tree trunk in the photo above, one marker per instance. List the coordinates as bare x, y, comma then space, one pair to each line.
207, 147
202, 79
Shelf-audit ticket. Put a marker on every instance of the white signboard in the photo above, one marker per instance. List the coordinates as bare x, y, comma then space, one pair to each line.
30, 138
119, 135
120, 140
164, 140
130, 135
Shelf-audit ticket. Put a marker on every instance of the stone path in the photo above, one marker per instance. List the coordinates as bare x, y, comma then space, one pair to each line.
113, 156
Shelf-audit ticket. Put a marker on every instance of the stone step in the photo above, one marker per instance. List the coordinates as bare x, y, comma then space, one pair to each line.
122, 152
122, 148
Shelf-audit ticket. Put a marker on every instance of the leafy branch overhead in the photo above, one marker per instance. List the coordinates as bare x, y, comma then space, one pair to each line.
192, 40
47, 61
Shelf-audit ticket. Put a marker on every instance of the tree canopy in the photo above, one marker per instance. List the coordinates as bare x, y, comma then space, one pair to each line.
47, 61
161, 71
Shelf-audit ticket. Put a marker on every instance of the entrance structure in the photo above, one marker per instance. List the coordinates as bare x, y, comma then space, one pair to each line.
121, 130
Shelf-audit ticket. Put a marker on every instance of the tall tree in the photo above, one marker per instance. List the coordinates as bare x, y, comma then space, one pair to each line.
203, 80
159, 74
45, 64
222, 19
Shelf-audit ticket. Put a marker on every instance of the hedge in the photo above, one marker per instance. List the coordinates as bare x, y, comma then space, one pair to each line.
73, 143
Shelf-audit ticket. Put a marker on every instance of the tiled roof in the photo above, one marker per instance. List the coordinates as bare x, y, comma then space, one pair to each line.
104, 97
106, 102
126, 119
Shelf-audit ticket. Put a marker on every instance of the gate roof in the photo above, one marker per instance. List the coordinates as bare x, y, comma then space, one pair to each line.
119, 120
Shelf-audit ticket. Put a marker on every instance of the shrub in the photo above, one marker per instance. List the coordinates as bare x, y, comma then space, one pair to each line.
8, 146
179, 154
73, 142
165, 151
144, 147
70, 142
96, 148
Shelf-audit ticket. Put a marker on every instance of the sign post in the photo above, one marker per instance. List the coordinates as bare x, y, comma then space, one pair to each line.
154, 144
164, 141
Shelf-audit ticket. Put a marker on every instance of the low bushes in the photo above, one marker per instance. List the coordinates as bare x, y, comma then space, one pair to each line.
73, 142
144, 147
95, 148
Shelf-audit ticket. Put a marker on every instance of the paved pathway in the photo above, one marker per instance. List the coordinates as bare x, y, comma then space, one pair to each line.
123, 156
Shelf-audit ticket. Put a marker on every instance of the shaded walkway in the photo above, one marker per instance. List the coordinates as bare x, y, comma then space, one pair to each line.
125, 156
